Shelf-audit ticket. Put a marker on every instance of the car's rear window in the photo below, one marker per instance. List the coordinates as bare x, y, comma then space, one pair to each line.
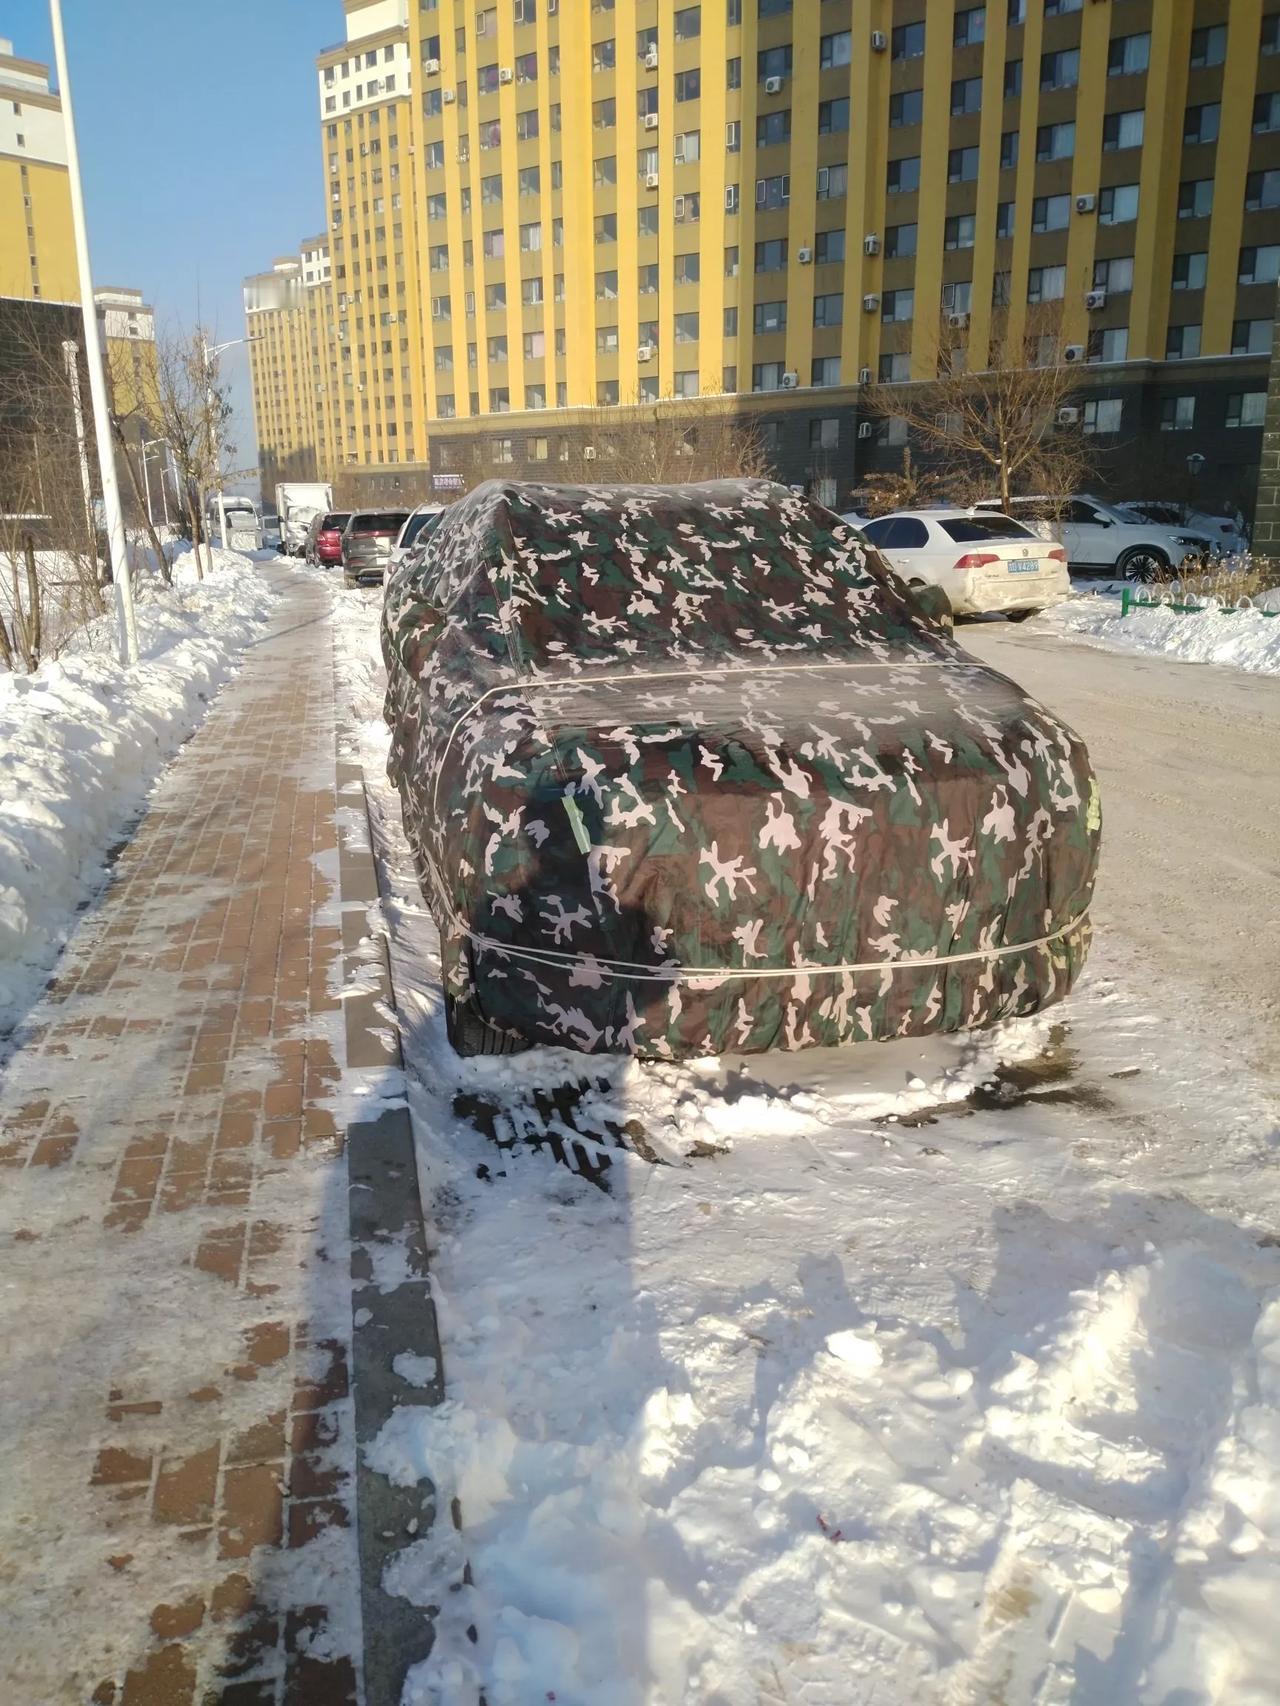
390, 522
973, 529
416, 525
335, 523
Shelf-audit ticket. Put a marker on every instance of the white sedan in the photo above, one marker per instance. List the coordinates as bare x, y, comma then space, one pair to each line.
983, 562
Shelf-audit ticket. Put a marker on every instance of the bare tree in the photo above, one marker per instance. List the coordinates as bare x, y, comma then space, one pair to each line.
191, 409
1009, 424
907, 487
664, 443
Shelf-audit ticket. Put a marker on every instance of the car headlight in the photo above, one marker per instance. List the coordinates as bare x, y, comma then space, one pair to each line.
1190, 541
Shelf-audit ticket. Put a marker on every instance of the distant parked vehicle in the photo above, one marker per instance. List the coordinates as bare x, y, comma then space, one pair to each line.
243, 525
367, 543
421, 524
324, 539
1224, 532
982, 562
1099, 537
298, 502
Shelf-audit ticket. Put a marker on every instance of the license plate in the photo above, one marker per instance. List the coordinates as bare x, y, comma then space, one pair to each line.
1030, 567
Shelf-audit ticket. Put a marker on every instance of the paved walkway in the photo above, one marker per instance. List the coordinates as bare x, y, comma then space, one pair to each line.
176, 1430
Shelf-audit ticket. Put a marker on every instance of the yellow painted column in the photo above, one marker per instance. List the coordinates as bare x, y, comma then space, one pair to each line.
1239, 83
577, 258
1025, 176
934, 148
991, 123
1158, 179
714, 176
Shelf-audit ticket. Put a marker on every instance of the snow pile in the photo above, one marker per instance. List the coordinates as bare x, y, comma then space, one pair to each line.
1245, 639
82, 740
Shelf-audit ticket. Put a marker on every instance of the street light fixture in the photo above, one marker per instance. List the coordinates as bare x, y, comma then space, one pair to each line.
211, 354
126, 620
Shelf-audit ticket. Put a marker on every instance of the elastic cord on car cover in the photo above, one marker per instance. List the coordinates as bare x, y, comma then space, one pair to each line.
532, 684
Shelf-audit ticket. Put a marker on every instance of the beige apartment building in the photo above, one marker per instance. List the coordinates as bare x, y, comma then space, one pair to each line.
539, 211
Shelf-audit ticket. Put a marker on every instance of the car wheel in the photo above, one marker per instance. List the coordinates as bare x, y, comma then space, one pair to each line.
469, 1035
1143, 563
1020, 615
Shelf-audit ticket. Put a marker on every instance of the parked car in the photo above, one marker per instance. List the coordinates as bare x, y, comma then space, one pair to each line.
1224, 532
324, 539
1102, 538
983, 562
688, 769
367, 543
420, 524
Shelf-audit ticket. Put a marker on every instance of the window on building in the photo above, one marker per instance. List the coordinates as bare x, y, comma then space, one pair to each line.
604, 55
1046, 284
1118, 204
688, 147
773, 62
731, 261
1201, 123
1190, 270
493, 245
497, 349
1195, 198
730, 328
970, 26
833, 116
1009, 141
770, 317
1017, 11
959, 230
962, 165
1115, 276
835, 49
606, 393
1123, 130
828, 309
773, 128
897, 305
526, 68
443, 358
604, 169
604, 114
903, 176
605, 227
606, 340
767, 376
1127, 55
1208, 46
1103, 415
824, 433
1060, 70
688, 268
966, 95
606, 286
833, 182
773, 192
1004, 218
1109, 344
688, 23
907, 41
894, 369
1270, 42
1247, 409
1262, 189
688, 85
957, 297
527, 125
647, 221
535, 346
1182, 343
1055, 141
771, 256
1177, 414
1051, 213
828, 246
900, 241
530, 180
531, 291
1260, 264
1251, 337
825, 370
1012, 79
495, 296
686, 328
1266, 112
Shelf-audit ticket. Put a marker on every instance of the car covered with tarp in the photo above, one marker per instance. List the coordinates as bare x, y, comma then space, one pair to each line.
687, 770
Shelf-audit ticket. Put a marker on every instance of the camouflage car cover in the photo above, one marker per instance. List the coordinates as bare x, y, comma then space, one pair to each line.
686, 770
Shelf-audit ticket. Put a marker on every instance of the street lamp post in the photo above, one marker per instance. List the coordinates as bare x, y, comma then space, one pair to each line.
148, 444
125, 617
211, 353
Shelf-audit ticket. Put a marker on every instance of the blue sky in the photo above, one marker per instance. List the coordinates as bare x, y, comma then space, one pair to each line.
200, 146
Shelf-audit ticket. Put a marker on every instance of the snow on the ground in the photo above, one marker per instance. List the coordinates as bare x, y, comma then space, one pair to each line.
872, 1395
1246, 639
83, 739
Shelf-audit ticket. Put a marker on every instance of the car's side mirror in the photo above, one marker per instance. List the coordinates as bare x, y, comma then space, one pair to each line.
935, 604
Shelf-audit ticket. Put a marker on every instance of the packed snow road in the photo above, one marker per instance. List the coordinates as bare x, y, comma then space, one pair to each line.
1188, 757
941, 1372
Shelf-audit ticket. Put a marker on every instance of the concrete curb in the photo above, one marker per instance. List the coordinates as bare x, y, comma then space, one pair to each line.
385, 1208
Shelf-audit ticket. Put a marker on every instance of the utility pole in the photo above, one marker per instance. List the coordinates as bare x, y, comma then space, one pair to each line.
211, 354
126, 620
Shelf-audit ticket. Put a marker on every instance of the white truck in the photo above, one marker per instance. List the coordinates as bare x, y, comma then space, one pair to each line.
298, 502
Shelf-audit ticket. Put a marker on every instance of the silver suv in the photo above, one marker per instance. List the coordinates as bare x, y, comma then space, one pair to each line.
367, 542
1098, 537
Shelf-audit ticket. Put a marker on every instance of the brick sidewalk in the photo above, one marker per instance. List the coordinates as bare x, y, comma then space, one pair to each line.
176, 1432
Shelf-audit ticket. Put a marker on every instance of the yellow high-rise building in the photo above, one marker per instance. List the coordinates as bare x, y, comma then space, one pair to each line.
37, 242
544, 206
284, 332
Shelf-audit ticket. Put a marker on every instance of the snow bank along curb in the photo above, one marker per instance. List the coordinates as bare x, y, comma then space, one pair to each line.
83, 739
1244, 639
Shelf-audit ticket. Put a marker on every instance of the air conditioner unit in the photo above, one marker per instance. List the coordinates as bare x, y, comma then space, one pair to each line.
773, 85
804, 256
645, 352
864, 376
1073, 352
506, 75
651, 59
731, 198
957, 322
790, 380
448, 96
879, 41
1086, 203
588, 453
865, 429
651, 121
431, 67
651, 180
1095, 299
871, 244
1068, 416
870, 303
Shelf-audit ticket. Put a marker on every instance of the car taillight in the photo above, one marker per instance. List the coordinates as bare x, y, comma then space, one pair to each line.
1057, 555
977, 559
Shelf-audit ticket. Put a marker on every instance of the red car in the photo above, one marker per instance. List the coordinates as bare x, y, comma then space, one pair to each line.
324, 539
